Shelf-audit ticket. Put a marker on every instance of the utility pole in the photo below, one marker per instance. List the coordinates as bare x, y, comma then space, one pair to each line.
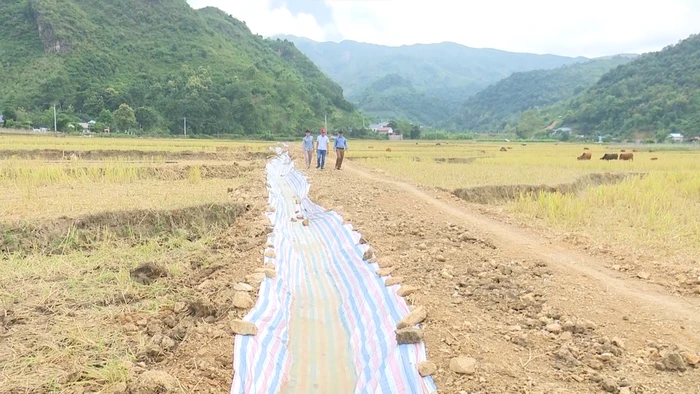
325, 122
55, 129
185, 126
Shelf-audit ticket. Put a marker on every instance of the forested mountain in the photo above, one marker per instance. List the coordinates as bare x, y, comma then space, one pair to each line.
493, 107
165, 61
423, 82
658, 91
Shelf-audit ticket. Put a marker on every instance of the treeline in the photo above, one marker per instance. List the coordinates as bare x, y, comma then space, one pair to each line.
146, 66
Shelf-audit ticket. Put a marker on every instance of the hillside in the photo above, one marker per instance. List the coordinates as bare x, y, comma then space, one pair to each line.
657, 92
493, 107
162, 57
440, 75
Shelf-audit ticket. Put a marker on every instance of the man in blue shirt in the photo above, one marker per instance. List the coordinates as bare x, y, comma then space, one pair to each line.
308, 144
340, 145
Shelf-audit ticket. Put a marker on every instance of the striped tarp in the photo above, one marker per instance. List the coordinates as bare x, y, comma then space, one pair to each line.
326, 322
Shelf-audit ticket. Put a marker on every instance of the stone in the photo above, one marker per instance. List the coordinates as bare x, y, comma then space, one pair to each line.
305, 222
674, 362
240, 286
426, 368
242, 300
625, 390
294, 219
271, 209
691, 359
440, 258
554, 328
446, 274
568, 326
241, 327
269, 244
154, 381
463, 365
609, 385
393, 281
409, 335
270, 253
414, 317
566, 336
368, 254
405, 290
606, 357
255, 279
270, 273
385, 271
422, 247
643, 275
385, 262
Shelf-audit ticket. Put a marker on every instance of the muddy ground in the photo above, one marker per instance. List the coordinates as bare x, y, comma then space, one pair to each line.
539, 316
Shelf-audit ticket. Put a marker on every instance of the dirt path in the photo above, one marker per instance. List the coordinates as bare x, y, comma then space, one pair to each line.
651, 297
538, 316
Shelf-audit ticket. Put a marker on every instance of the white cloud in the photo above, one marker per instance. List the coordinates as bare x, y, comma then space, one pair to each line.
588, 28
266, 20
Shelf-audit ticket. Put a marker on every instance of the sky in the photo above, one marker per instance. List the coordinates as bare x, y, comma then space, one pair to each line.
588, 28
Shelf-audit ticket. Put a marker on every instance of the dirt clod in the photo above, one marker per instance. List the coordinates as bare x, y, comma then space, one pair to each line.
414, 317
609, 385
240, 286
406, 290
409, 335
154, 382
148, 273
242, 300
393, 281
427, 368
463, 365
241, 327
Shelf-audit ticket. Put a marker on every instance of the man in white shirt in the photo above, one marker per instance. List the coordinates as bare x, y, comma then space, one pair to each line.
321, 149
308, 145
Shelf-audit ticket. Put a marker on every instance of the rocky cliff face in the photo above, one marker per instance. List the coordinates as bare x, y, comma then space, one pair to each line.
61, 24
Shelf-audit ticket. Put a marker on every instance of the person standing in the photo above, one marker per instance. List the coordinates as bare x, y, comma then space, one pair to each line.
321, 149
340, 145
308, 144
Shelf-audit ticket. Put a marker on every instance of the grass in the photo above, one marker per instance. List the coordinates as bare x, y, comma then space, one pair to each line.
657, 212
74, 143
64, 317
70, 304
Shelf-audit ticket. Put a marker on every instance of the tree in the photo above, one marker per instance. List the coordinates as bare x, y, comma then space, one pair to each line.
105, 117
415, 132
124, 117
9, 114
147, 117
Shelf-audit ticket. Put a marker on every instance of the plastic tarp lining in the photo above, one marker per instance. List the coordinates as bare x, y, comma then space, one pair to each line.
326, 322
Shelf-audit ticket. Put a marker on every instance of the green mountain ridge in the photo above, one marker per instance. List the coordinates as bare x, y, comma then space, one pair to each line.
655, 93
501, 103
164, 57
443, 76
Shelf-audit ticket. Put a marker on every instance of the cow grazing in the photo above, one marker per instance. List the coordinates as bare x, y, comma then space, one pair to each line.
651, 150
388, 149
503, 149
586, 148
622, 150
585, 156
483, 151
627, 156
370, 147
609, 156
634, 150
654, 158
523, 144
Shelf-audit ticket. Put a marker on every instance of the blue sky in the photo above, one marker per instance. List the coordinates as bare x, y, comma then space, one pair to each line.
564, 27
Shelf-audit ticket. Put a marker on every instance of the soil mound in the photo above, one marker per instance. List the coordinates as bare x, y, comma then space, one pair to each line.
66, 234
498, 193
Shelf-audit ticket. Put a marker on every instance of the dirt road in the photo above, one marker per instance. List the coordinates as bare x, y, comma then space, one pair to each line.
539, 316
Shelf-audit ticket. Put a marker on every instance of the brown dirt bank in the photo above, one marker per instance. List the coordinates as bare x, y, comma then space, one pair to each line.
498, 193
67, 234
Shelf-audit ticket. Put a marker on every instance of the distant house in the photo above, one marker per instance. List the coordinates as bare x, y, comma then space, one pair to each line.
385, 130
676, 137
563, 130
375, 126
85, 126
